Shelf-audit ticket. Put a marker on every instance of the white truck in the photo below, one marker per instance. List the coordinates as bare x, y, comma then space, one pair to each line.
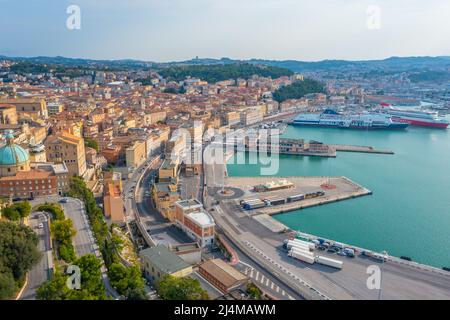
329, 262
302, 256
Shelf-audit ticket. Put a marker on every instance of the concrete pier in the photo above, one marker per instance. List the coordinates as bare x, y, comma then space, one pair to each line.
361, 149
342, 189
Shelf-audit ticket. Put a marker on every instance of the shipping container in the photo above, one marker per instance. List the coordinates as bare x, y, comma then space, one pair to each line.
329, 262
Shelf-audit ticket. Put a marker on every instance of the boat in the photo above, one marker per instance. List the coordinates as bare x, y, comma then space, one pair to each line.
333, 119
416, 117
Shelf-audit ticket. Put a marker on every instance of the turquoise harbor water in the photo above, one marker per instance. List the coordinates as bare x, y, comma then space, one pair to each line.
409, 211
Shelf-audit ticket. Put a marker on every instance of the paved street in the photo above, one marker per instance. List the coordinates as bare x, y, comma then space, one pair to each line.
40, 272
84, 240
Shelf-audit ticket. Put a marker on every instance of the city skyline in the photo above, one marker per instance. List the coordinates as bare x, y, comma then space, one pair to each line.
177, 31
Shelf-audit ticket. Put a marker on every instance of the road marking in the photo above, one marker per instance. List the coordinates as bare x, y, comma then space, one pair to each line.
271, 286
251, 273
262, 278
278, 289
267, 282
257, 275
283, 293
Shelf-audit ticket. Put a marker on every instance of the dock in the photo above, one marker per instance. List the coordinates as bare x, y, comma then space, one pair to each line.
342, 189
360, 149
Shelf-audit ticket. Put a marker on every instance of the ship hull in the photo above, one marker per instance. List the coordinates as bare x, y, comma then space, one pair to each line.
419, 123
400, 126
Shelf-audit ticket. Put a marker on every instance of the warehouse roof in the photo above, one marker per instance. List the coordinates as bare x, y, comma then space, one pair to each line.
223, 272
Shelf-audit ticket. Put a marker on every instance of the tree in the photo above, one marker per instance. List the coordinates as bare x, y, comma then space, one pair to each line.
127, 281
91, 275
11, 214
54, 289
7, 285
54, 209
91, 283
254, 291
91, 143
174, 288
63, 231
18, 249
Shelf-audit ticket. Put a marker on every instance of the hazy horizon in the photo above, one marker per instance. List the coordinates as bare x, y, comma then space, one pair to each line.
178, 30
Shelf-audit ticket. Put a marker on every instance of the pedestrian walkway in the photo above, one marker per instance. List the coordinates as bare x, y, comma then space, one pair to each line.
266, 283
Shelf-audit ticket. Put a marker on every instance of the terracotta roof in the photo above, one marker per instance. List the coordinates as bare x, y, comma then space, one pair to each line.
27, 175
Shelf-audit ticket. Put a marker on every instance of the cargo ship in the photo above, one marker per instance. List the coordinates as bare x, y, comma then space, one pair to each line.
333, 119
415, 117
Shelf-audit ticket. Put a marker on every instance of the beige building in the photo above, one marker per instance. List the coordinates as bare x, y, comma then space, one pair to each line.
65, 147
34, 108
8, 114
233, 118
136, 154
155, 117
55, 108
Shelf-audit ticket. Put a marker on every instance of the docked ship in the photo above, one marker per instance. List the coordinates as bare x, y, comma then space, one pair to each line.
333, 119
416, 117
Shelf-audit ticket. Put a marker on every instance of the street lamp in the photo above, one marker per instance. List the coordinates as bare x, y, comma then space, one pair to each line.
380, 292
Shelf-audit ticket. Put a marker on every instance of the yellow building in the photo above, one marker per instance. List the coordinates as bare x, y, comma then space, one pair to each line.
168, 171
136, 154
159, 261
233, 118
164, 195
65, 147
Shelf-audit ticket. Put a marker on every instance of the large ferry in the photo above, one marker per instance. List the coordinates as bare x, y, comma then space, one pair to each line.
331, 118
415, 117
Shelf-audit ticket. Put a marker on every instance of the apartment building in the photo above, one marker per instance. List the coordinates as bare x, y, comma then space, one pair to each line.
112, 197
232, 118
251, 116
67, 148
136, 154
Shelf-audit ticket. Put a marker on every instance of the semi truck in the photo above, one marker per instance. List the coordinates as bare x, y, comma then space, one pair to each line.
302, 256
329, 262
298, 197
300, 244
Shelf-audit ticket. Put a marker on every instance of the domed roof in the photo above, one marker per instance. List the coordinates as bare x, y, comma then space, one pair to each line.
11, 154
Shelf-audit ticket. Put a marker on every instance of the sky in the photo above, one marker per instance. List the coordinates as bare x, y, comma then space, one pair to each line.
174, 30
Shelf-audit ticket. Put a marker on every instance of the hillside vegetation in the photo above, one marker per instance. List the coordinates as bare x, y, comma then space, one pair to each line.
219, 72
298, 89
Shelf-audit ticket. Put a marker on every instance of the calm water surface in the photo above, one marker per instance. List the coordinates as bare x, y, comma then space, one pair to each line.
409, 211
